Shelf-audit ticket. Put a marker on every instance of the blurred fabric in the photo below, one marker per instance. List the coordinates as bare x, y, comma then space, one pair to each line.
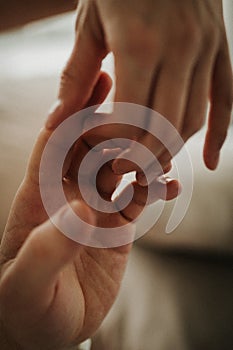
177, 292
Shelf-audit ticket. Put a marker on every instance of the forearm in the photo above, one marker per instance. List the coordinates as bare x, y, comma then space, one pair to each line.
14, 13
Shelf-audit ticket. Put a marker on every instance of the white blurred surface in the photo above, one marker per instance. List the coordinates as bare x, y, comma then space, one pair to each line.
40, 49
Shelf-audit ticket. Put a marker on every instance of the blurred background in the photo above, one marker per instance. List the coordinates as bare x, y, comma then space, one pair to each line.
182, 283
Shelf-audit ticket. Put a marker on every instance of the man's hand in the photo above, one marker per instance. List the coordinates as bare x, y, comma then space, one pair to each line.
169, 55
54, 292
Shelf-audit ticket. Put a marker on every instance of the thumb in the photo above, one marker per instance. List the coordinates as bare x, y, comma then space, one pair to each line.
34, 274
82, 70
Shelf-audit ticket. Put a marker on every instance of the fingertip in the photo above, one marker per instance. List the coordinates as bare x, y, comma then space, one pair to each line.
54, 116
174, 189
106, 80
212, 160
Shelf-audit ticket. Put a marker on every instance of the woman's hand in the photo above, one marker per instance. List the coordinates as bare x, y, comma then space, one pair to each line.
54, 292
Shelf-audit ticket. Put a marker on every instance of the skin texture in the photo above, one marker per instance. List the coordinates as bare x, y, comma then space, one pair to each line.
54, 292
170, 55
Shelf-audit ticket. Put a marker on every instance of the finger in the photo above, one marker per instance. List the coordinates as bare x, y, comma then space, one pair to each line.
96, 157
196, 108
151, 175
106, 180
81, 149
82, 70
93, 178
136, 76
136, 63
30, 190
100, 92
164, 188
132, 159
170, 98
220, 111
133, 84
33, 276
102, 127
139, 156
153, 171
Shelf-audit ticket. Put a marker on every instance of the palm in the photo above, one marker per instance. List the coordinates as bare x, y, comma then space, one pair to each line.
60, 291
85, 289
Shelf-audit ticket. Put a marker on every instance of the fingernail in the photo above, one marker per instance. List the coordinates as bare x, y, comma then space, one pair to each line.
52, 120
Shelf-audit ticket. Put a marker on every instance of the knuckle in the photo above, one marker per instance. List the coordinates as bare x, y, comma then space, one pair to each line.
139, 42
187, 37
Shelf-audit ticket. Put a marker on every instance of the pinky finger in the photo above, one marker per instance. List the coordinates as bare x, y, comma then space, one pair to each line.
220, 111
